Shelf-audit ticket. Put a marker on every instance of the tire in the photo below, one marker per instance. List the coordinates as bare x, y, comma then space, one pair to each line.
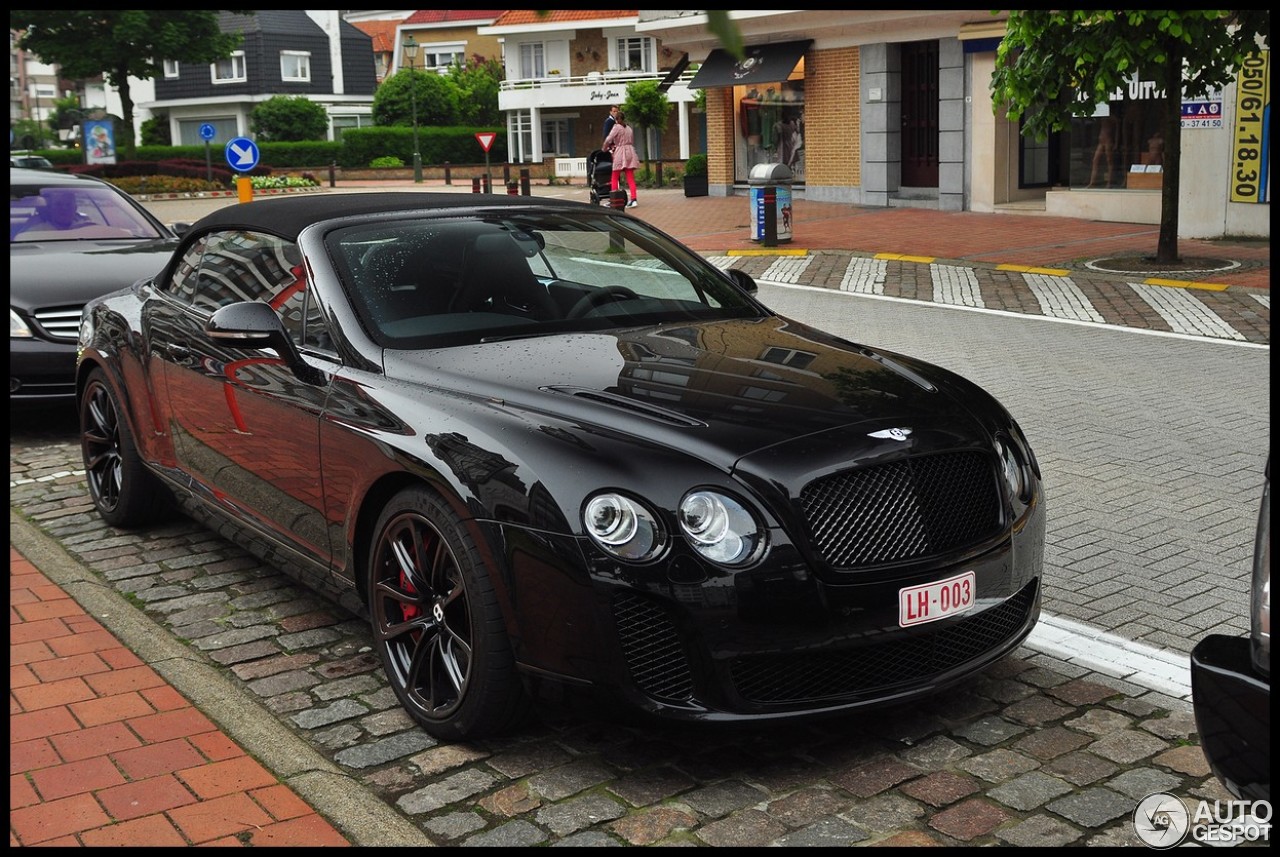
437, 625
125, 493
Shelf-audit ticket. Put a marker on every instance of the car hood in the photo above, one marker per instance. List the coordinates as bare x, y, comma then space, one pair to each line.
718, 390
45, 273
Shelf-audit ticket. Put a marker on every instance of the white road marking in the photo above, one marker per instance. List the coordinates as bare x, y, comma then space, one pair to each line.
1184, 313
1060, 297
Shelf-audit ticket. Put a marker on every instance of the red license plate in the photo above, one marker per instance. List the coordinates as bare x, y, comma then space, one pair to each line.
930, 602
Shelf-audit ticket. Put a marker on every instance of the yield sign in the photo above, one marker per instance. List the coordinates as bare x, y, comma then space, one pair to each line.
486, 139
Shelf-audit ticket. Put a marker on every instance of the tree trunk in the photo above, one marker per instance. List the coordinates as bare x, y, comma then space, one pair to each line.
125, 134
1167, 248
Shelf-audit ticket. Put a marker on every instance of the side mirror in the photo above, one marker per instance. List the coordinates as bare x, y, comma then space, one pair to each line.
742, 280
180, 228
251, 324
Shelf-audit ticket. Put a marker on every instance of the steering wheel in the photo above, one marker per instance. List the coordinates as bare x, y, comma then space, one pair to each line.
591, 300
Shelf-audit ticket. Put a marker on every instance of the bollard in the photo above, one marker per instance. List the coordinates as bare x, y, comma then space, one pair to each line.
770, 196
618, 199
333, 174
448, 177
524, 181
244, 188
475, 184
506, 173
513, 188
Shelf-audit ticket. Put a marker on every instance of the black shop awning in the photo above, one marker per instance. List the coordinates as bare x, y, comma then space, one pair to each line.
761, 64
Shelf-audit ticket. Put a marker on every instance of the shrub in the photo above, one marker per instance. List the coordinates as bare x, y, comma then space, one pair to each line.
386, 161
273, 182
696, 165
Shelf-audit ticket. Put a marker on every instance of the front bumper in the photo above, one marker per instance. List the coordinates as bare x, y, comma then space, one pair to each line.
1233, 715
681, 640
41, 371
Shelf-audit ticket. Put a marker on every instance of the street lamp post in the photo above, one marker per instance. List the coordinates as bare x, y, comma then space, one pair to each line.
410, 53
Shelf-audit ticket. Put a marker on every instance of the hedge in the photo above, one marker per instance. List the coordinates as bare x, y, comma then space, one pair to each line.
359, 146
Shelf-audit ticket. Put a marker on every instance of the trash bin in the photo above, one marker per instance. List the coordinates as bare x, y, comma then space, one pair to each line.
770, 188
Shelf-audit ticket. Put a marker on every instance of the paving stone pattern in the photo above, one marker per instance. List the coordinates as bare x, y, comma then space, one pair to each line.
1032, 753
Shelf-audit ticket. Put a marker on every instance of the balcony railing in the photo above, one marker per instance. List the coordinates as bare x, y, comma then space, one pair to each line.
594, 78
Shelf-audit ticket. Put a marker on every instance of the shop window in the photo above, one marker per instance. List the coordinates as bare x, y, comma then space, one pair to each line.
1123, 138
770, 119
556, 139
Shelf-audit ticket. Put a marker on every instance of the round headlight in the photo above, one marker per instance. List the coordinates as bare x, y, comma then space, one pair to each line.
622, 527
719, 527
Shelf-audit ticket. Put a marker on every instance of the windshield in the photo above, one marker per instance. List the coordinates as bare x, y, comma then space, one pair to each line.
63, 213
428, 282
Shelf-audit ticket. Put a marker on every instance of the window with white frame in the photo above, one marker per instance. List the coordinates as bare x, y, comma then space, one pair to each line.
230, 70
634, 53
555, 137
440, 57
532, 63
295, 66
170, 69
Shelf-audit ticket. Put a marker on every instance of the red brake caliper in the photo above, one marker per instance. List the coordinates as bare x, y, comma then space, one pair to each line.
410, 611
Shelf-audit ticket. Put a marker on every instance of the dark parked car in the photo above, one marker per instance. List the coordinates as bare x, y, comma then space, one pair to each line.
71, 238
544, 445
1231, 683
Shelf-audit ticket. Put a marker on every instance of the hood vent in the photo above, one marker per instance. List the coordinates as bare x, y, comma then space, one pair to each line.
626, 404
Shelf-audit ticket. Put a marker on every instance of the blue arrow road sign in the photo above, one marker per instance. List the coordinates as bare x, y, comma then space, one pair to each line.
206, 131
242, 154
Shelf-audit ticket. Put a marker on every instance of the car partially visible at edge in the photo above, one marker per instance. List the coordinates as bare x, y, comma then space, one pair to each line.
55, 268
1231, 682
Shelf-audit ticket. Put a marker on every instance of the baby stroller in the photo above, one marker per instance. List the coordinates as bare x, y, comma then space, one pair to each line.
600, 176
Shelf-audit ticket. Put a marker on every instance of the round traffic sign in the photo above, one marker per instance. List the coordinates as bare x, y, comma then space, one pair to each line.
207, 131
242, 154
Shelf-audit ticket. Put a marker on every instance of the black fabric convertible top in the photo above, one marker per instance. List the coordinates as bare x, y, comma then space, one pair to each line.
287, 216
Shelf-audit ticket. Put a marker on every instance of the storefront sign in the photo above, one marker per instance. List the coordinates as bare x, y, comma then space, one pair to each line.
1251, 138
1206, 113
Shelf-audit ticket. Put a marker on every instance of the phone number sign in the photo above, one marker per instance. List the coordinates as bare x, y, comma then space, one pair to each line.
1251, 136
1202, 114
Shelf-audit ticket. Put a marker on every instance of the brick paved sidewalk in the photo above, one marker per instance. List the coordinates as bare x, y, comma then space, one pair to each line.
104, 752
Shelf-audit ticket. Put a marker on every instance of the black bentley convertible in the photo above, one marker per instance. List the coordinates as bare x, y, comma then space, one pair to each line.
542, 443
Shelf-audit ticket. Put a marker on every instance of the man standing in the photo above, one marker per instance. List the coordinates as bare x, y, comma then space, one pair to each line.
610, 120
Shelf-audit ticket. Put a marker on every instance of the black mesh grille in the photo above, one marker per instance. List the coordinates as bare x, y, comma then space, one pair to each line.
880, 666
909, 509
652, 648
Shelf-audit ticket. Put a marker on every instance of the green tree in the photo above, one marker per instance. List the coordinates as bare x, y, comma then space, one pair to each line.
155, 131
289, 118
66, 114
121, 43
1055, 65
477, 84
437, 99
648, 109
29, 134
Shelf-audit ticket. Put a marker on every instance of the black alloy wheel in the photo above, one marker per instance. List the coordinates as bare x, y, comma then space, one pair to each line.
123, 491
437, 624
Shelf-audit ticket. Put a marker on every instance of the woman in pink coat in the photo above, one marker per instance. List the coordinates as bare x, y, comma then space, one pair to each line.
621, 143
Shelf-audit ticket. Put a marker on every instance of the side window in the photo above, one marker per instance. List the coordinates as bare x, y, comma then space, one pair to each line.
183, 283
253, 266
